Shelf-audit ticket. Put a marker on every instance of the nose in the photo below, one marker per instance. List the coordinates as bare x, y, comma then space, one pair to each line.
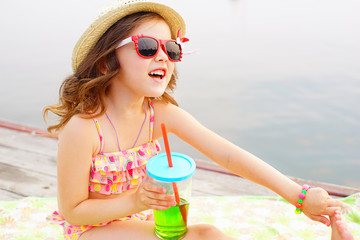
161, 56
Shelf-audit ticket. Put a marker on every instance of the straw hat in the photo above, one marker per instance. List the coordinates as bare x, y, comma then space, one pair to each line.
115, 11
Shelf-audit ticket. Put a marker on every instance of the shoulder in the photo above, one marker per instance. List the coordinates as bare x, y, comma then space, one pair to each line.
78, 124
80, 129
166, 111
161, 106
172, 116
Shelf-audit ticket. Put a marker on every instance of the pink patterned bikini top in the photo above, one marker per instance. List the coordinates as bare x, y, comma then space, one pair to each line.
115, 172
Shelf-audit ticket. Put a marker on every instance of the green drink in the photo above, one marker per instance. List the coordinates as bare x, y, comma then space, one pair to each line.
171, 224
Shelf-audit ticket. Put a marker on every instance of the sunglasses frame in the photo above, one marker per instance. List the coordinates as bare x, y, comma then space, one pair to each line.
160, 42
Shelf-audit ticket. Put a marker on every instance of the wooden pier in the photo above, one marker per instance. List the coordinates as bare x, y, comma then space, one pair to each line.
28, 168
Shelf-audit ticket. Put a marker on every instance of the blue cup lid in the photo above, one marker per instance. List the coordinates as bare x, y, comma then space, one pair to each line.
183, 167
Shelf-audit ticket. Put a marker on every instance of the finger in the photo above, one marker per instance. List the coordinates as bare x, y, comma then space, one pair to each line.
330, 211
154, 188
155, 202
333, 203
321, 219
338, 216
160, 196
160, 205
159, 208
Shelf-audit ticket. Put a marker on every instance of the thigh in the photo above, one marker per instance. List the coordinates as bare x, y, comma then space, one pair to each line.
205, 232
145, 230
118, 230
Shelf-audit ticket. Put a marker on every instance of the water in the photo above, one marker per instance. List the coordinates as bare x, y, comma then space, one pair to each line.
278, 78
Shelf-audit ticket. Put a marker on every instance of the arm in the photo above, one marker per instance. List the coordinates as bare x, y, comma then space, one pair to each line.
78, 142
242, 162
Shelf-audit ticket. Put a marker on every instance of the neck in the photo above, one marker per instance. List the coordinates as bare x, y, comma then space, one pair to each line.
124, 106
122, 103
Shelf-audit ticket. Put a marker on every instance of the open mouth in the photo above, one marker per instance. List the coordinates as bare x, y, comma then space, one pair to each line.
159, 74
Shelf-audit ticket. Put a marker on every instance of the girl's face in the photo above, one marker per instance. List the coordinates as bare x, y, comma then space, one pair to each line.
139, 75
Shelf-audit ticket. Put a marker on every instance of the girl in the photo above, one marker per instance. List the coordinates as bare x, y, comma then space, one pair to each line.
110, 111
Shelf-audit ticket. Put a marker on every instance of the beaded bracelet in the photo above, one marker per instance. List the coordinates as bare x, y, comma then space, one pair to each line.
299, 204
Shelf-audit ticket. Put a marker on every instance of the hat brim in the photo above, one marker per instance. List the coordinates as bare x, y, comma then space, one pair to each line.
101, 24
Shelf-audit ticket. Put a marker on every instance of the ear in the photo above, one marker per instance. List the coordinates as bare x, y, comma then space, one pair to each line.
102, 67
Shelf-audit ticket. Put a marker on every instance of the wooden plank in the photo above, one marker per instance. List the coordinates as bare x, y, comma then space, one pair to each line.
25, 141
32, 161
332, 189
26, 182
28, 168
8, 196
27, 129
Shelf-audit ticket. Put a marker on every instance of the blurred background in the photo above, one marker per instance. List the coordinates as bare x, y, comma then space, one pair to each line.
278, 78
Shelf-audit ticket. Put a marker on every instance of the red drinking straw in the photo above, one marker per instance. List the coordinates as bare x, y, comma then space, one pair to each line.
168, 154
166, 142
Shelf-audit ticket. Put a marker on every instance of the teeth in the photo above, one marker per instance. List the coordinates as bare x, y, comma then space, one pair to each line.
157, 73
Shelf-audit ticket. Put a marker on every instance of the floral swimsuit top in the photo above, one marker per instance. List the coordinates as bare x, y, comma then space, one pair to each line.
113, 173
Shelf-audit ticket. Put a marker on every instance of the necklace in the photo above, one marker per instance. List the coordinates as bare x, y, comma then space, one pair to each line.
117, 138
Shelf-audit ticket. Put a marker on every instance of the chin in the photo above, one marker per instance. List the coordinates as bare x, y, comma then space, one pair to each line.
156, 94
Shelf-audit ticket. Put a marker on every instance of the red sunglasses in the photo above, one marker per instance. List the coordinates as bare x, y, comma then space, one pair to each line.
148, 47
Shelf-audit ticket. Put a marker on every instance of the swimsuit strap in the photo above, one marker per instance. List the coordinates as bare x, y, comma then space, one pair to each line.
117, 139
151, 120
142, 126
99, 132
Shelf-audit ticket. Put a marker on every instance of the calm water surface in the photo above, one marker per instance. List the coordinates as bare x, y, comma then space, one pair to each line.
278, 78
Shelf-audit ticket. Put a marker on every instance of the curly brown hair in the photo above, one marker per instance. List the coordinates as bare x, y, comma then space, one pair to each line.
84, 91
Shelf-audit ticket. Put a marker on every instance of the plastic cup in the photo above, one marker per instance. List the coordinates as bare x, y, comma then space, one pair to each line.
172, 223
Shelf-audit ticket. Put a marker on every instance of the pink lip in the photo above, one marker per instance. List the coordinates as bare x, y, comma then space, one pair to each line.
157, 69
160, 69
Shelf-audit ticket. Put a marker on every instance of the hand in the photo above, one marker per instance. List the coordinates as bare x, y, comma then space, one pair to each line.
149, 195
318, 203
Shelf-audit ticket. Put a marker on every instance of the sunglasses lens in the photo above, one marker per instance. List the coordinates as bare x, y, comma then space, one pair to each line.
173, 50
147, 47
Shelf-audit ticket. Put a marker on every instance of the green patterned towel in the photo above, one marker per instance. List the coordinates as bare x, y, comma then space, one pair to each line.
240, 217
